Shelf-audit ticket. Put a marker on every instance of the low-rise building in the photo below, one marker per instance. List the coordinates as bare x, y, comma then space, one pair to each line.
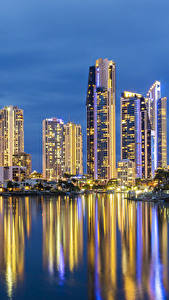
23, 159
126, 172
12, 173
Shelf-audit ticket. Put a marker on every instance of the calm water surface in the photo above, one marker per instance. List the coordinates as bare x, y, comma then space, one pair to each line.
91, 247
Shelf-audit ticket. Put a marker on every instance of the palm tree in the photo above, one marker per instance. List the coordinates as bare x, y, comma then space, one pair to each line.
162, 176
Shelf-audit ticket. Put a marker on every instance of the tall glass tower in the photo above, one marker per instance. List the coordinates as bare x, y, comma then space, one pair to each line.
90, 105
162, 133
136, 133
101, 131
157, 115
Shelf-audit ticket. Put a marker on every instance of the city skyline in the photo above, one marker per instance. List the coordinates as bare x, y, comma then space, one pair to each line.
162, 105
44, 61
84, 149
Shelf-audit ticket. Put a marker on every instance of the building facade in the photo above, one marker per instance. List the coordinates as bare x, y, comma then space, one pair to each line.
162, 133
126, 172
12, 173
157, 115
11, 134
101, 131
53, 148
136, 133
23, 159
90, 102
73, 149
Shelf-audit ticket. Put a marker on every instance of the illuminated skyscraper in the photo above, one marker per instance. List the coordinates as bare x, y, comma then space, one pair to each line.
162, 133
11, 133
73, 149
157, 115
53, 148
90, 121
136, 133
101, 131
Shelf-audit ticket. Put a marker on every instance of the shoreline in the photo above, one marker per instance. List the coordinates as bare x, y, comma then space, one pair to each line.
37, 193
157, 197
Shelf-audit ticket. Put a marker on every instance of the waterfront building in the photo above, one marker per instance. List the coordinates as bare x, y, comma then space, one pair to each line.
73, 149
90, 121
53, 148
101, 131
136, 133
11, 133
126, 172
157, 115
23, 159
12, 173
162, 133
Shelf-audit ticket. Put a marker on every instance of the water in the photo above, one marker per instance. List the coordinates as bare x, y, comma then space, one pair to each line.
90, 247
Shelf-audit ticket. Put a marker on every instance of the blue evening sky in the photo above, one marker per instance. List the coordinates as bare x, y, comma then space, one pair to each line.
46, 47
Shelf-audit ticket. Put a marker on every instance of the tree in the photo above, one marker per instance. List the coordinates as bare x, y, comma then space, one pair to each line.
39, 186
10, 184
138, 181
67, 175
86, 187
162, 176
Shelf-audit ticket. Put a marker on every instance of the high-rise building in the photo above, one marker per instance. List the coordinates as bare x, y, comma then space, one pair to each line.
53, 148
136, 133
162, 133
11, 133
157, 115
23, 159
101, 131
73, 149
90, 102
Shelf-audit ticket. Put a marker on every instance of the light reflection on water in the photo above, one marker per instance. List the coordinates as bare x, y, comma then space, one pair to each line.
113, 248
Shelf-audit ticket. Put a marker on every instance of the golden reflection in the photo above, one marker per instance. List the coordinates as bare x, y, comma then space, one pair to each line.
13, 220
125, 243
62, 234
102, 246
126, 240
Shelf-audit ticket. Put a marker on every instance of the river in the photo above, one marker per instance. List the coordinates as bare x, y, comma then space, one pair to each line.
89, 247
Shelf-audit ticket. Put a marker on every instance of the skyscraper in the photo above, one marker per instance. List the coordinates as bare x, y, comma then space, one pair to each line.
157, 115
90, 103
53, 148
73, 149
101, 131
162, 133
11, 133
136, 133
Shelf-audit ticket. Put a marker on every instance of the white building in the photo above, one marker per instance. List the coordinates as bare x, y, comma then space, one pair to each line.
11, 133
73, 149
14, 173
